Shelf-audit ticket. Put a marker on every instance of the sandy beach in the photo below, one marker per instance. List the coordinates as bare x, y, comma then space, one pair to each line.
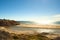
39, 26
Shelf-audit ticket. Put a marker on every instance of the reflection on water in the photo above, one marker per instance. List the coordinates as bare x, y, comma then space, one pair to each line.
49, 30
18, 28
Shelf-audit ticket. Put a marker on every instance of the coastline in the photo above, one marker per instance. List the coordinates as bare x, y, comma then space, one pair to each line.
39, 26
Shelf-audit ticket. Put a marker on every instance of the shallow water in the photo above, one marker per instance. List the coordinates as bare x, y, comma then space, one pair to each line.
18, 28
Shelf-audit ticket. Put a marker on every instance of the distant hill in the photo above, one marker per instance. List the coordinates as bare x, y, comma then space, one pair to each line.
26, 22
5, 22
57, 22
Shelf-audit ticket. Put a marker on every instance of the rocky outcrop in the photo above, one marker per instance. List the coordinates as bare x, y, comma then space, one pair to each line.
4, 22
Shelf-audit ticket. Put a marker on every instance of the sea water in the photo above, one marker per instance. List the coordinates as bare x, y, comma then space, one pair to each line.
51, 30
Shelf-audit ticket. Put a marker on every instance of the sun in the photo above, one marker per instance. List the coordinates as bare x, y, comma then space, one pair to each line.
43, 22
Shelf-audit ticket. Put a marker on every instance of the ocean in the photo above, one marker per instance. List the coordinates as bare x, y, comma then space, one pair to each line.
39, 30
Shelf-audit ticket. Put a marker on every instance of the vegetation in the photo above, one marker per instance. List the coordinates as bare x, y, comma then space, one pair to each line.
4, 22
12, 36
5, 35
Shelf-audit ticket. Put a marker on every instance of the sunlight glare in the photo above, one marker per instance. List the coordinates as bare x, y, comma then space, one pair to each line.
43, 22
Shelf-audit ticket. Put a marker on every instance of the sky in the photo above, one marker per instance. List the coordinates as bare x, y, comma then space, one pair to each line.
30, 10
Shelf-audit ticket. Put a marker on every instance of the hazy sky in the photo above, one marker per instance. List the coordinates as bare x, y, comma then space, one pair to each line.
30, 9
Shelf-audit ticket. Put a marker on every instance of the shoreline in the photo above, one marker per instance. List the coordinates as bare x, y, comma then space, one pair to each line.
39, 26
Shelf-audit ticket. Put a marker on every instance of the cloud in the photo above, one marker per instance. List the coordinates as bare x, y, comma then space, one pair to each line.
56, 17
